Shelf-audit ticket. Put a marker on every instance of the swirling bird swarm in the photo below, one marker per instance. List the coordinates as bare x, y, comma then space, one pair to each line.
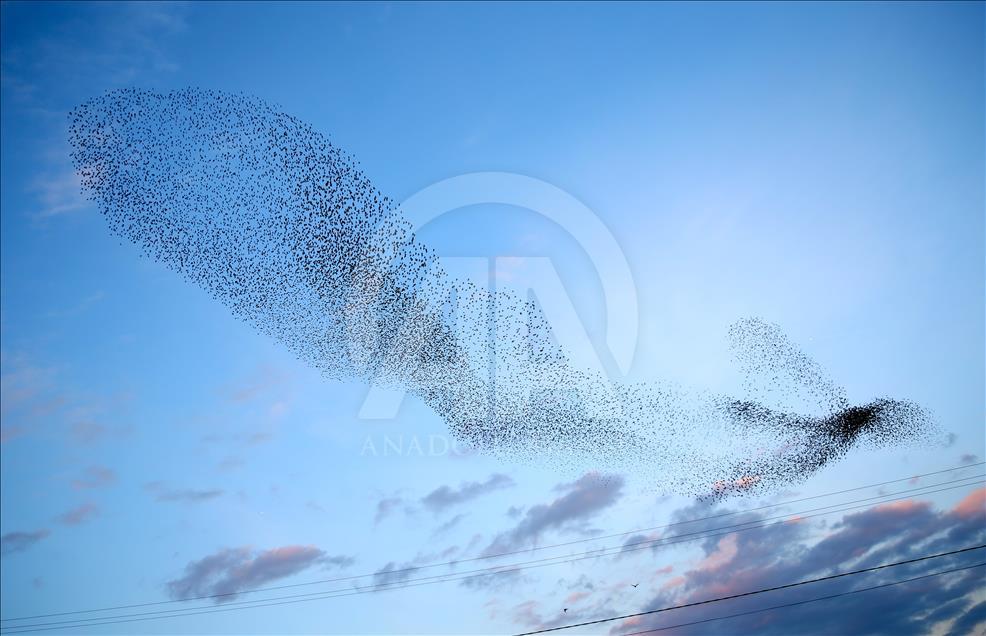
282, 227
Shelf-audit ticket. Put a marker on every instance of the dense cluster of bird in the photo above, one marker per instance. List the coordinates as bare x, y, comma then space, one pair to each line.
284, 228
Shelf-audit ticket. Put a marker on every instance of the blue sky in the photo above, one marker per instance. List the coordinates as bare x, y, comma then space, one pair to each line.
820, 166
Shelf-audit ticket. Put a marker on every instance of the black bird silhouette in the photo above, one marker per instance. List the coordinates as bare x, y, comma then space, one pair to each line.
635, 585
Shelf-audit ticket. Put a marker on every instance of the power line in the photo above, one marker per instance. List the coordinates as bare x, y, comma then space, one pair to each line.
499, 554
536, 563
547, 561
754, 592
806, 601
449, 577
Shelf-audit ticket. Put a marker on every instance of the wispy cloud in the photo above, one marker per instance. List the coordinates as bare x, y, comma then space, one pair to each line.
88, 431
20, 541
133, 41
393, 573
26, 386
58, 194
231, 463
448, 525
254, 438
91, 423
36, 398
81, 514
79, 307
183, 495
95, 477
386, 507
445, 497
232, 570
261, 381
580, 501
494, 581
10, 433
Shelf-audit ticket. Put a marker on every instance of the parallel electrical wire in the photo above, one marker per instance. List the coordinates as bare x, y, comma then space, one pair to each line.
606, 551
806, 601
354, 577
28, 629
760, 591
569, 558
449, 577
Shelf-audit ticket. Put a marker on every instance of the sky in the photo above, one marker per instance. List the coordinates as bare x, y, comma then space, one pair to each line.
820, 166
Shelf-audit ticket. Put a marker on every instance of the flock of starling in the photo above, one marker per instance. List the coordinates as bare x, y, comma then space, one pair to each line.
283, 228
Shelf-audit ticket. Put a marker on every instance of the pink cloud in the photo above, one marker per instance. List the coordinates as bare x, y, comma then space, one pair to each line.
903, 506
526, 613
677, 581
575, 597
725, 552
973, 505
632, 622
